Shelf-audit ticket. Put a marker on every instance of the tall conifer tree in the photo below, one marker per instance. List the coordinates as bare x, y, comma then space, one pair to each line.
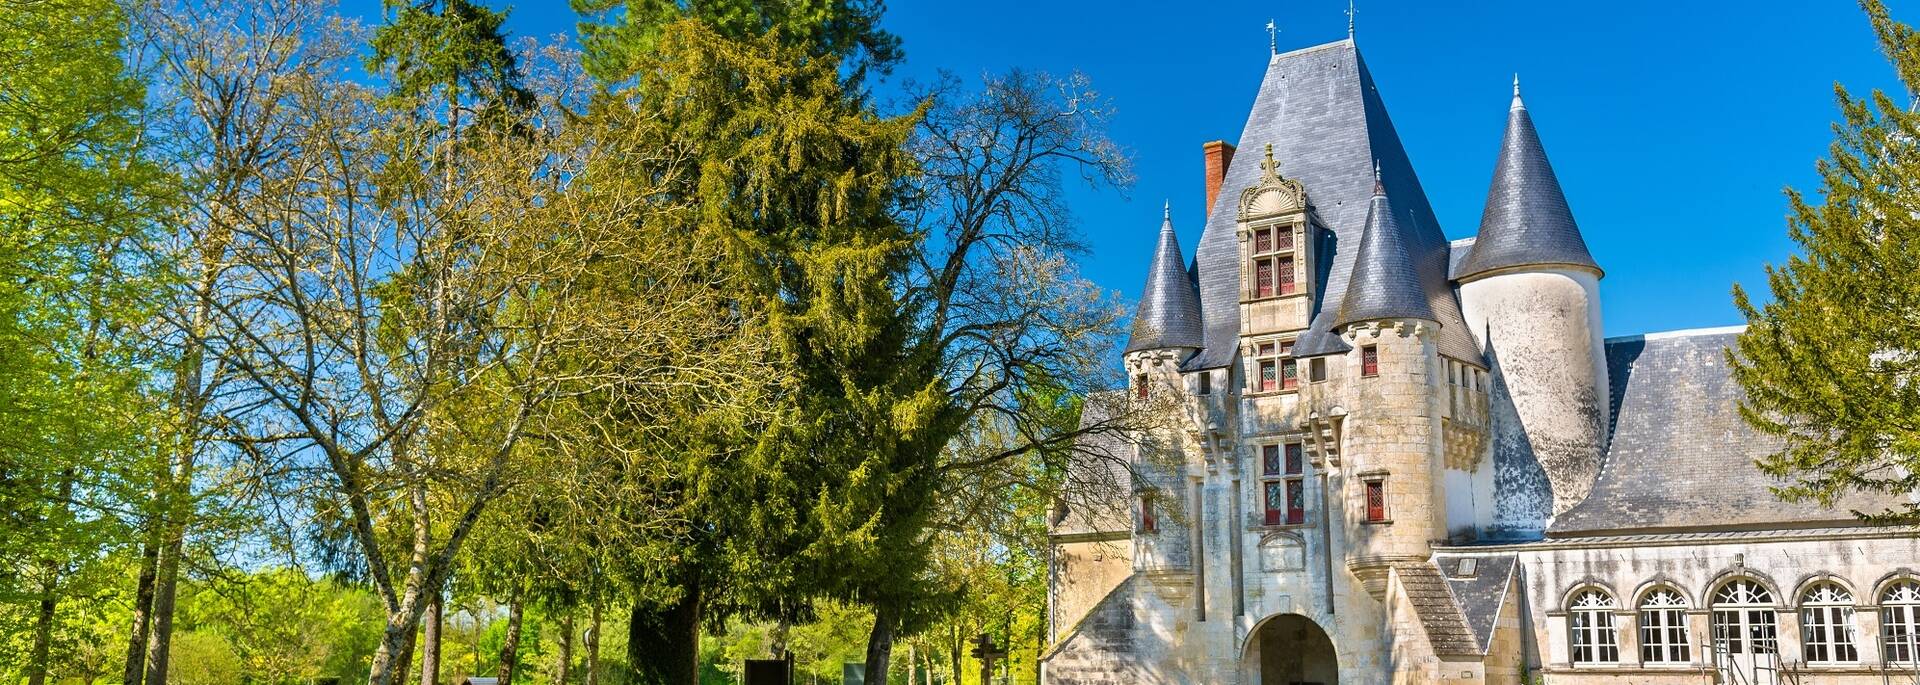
1831, 366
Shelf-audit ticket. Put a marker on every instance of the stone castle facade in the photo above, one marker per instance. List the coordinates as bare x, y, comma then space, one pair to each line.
1408, 460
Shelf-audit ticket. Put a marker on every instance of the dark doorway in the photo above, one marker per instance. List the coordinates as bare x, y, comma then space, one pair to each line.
1292, 650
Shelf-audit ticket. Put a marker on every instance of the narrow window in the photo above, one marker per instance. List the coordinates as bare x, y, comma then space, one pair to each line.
1663, 628
1275, 502
1283, 484
1590, 621
1376, 501
1206, 382
1147, 524
1317, 369
1263, 278
1900, 622
1286, 275
1826, 625
1289, 367
1370, 360
1140, 386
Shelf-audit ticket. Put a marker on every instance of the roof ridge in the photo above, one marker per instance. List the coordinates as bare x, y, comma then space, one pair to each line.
1679, 333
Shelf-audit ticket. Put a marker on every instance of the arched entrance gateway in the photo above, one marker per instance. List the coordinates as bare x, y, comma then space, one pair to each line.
1290, 649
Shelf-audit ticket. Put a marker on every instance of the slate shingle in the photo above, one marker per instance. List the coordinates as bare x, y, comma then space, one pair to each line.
1680, 457
1323, 115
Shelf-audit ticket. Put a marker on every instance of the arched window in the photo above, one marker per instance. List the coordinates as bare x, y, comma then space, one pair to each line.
1743, 620
1590, 618
1663, 628
1900, 622
1826, 624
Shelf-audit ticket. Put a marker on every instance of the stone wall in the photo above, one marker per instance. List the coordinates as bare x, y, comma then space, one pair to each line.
1541, 332
1695, 565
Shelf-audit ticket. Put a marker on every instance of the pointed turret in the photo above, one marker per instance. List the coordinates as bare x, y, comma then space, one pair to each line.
1384, 284
1169, 314
1526, 221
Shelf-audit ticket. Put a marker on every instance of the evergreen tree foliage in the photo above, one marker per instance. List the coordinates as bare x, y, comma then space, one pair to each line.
1831, 365
619, 34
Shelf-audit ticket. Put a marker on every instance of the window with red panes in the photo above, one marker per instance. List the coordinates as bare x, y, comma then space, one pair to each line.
1274, 367
1274, 265
1147, 524
1283, 484
1370, 360
1376, 500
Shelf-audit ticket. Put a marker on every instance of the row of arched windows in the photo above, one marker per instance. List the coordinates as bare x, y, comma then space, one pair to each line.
1743, 621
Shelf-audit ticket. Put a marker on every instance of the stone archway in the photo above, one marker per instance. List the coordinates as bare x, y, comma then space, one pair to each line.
1290, 649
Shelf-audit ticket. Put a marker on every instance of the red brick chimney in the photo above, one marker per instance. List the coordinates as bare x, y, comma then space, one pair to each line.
1219, 155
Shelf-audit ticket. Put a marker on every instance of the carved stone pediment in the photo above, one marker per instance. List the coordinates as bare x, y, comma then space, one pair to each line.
1273, 195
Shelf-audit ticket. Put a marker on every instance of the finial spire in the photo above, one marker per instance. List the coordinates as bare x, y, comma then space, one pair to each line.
1273, 37
1517, 104
1166, 210
1349, 19
1379, 187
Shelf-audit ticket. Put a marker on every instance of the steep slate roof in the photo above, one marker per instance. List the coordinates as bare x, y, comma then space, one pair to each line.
1681, 458
1169, 313
1319, 109
1384, 284
1480, 595
1434, 604
1526, 221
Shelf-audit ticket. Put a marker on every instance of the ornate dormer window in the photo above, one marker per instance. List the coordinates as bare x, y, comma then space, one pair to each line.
1274, 231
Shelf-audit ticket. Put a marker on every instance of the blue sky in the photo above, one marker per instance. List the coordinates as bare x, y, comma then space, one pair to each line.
1673, 126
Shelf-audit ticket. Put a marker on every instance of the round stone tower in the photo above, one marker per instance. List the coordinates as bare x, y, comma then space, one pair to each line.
1166, 332
1393, 433
1530, 291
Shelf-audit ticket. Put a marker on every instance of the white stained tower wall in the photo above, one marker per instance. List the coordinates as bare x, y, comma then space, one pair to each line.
1540, 330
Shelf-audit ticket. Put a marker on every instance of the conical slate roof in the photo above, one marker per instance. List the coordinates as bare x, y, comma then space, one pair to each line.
1319, 109
1384, 284
1169, 314
1526, 221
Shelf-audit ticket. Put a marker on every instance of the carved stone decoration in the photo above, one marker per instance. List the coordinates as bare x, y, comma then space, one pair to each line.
1282, 552
1273, 195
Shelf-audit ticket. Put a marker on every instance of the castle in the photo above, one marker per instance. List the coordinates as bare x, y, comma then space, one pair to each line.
1403, 459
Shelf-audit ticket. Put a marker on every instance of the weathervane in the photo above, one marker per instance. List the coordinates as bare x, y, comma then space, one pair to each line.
1349, 19
1273, 37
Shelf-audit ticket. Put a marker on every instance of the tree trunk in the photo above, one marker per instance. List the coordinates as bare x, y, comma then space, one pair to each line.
913, 663
43, 634
136, 667
510, 645
430, 636
886, 618
663, 644
385, 668
166, 579
953, 654
593, 646
405, 663
566, 647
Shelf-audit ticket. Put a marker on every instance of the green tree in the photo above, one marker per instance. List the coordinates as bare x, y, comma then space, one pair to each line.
1831, 366
74, 286
619, 35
